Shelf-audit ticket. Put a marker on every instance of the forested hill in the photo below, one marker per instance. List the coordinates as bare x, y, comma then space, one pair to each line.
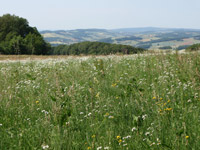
94, 48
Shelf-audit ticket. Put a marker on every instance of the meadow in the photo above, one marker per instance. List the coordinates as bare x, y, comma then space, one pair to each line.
135, 102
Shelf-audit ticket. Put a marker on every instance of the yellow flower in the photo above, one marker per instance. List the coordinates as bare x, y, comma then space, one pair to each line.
187, 137
168, 109
120, 141
93, 136
168, 101
118, 137
37, 102
89, 148
97, 96
114, 84
161, 98
117, 97
154, 98
106, 114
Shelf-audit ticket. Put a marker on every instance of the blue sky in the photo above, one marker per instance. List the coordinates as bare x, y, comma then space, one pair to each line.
107, 14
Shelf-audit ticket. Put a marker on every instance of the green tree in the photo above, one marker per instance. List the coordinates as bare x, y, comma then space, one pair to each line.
17, 37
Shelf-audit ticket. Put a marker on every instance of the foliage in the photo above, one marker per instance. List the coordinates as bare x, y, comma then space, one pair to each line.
17, 37
165, 47
182, 47
116, 102
194, 47
94, 48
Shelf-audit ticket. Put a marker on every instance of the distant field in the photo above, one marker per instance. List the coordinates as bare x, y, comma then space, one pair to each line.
142, 102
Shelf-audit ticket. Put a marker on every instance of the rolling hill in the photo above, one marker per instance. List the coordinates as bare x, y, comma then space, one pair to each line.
148, 38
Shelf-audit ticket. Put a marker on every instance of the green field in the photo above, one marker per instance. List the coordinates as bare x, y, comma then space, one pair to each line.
134, 102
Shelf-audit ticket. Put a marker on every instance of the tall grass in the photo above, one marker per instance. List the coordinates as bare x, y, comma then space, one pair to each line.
143, 102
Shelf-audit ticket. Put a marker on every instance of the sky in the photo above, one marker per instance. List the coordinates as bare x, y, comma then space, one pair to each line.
105, 14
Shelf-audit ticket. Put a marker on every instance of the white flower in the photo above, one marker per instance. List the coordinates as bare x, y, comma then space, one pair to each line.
98, 148
1, 124
44, 111
147, 133
144, 116
45, 146
111, 117
106, 147
81, 113
133, 129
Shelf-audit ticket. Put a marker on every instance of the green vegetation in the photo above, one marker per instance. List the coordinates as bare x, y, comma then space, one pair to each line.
127, 102
182, 47
94, 48
166, 47
17, 37
194, 47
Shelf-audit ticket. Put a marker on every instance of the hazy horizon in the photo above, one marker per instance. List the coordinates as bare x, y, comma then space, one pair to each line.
112, 14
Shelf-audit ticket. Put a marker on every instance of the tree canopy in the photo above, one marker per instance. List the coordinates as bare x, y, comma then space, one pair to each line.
17, 37
94, 48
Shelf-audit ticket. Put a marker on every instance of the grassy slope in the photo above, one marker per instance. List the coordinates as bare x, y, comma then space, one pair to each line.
144, 102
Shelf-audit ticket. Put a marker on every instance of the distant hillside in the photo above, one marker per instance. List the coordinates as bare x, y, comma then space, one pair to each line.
194, 47
148, 38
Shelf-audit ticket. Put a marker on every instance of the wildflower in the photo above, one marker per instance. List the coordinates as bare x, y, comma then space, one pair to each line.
133, 129
100, 147
186, 136
45, 146
111, 117
147, 133
89, 147
106, 114
93, 136
144, 116
118, 137
1, 124
168, 109
168, 101
44, 111
161, 98
117, 97
154, 98
37, 102
152, 144
114, 84
120, 141
97, 96
106, 147
164, 104
128, 136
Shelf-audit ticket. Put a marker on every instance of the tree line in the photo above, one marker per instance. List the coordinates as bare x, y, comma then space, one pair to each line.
94, 48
